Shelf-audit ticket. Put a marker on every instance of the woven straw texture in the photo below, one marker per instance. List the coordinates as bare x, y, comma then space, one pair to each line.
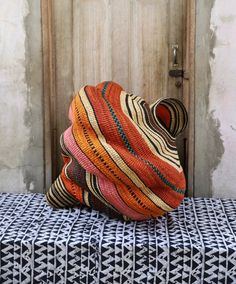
120, 154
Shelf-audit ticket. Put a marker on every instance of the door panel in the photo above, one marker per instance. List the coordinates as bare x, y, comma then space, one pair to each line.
149, 49
126, 41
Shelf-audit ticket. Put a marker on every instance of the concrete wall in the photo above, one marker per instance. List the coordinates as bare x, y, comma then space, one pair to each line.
222, 97
215, 118
21, 124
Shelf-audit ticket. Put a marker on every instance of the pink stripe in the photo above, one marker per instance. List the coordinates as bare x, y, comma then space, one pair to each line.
77, 153
108, 189
110, 193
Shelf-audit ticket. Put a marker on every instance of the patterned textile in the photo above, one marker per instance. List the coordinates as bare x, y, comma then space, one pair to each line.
120, 154
195, 243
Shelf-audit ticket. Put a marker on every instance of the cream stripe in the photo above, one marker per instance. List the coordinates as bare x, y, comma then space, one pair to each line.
181, 113
118, 160
153, 109
141, 128
64, 191
62, 146
172, 123
55, 198
130, 97
58, 184
157, 137
59, 192
89, 182
181, 117
88, 177
86, 198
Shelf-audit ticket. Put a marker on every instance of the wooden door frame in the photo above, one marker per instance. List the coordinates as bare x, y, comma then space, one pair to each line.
189, 90
49, 91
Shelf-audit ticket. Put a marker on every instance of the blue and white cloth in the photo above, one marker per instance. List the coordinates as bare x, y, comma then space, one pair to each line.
195, 243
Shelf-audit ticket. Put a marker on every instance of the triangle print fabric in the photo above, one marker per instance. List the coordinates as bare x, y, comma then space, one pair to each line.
193, 244
120, 154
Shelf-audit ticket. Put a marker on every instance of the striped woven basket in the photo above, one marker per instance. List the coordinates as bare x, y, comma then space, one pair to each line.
120, 154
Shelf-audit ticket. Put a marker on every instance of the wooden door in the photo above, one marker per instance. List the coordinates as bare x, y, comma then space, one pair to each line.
130, 42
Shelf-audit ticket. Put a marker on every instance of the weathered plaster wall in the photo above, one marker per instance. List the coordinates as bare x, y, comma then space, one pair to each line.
215, 120
222, 96
21, 125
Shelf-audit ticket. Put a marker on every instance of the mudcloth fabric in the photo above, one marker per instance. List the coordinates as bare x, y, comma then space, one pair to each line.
120, 154
195, 243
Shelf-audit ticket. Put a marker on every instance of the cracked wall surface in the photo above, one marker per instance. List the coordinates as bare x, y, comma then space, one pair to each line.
215, 86
21, 123
222, 95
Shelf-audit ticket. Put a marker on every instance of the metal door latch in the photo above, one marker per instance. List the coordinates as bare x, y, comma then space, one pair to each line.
175, 48
176, 73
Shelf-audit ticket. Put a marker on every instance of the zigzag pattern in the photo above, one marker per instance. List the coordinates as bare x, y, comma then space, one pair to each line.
195, 243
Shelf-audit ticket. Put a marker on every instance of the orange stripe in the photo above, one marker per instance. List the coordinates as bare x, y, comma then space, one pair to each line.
140, 167
132, 203
142, 148
81, 140
78, 132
